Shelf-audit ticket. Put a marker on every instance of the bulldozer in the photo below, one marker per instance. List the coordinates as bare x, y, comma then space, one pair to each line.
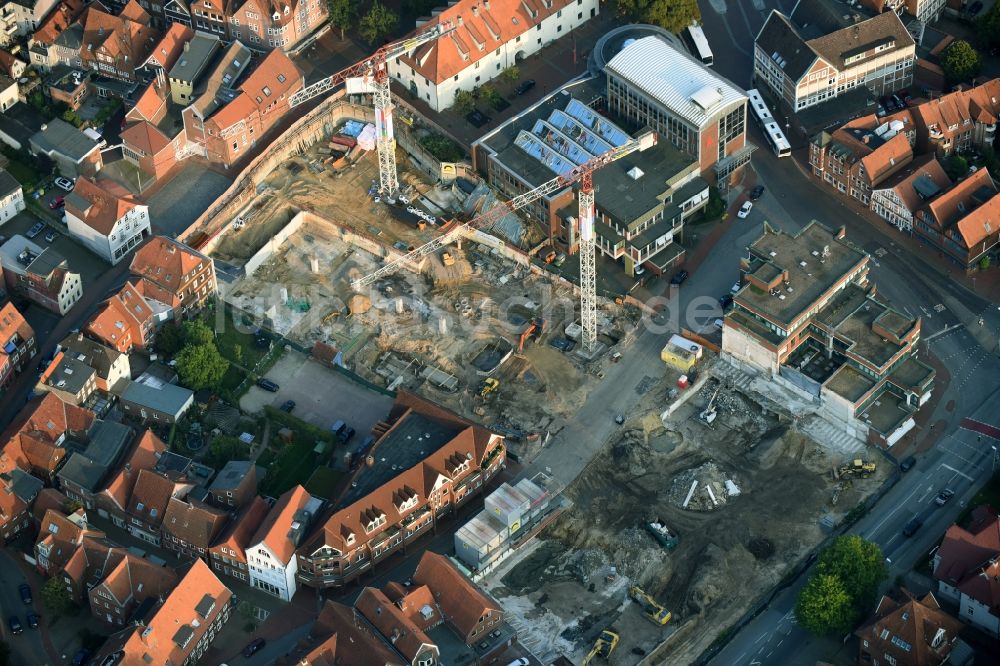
655, 612
487, 386
856, 467
603, 646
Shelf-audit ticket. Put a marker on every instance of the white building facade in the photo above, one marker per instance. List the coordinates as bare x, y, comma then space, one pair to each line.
269, 573
490, 36
114, 245
11, 196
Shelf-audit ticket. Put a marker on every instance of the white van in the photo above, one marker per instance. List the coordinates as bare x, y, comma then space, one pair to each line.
96, 136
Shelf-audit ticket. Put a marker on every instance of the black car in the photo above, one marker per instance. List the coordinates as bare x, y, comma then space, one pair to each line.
944, 496
268, 385
907, 464
679, 277
253, 646
345, 435
524, 87
756, 193
15, 625
911, 527
33, 620
288, 406
25, 591
975, 8
726, 301
81, 657
477, 119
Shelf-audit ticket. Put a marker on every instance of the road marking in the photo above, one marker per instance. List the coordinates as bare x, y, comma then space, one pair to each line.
780, 642
759, 638
947, 329
957, 472
876, 528
924, 496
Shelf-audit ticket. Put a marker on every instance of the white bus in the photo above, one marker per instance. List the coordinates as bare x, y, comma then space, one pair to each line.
699, 44
772, 130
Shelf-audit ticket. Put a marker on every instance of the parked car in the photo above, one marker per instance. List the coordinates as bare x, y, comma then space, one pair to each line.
268, 385
15, 625
679, 277
287, 406
35, 230
33, 620
911, 527
25, 591
338, 426
521, 661
64, 184
346, 434
253, 646
756, 193
975, 8
638, 270
726, 301
50, 235
745, 210
907, 464
81, 657
944, 496
58, 202
735, 289
524, 86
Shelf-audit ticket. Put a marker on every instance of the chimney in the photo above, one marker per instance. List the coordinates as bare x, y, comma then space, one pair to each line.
460, 20
187, 46
486, 5
475, 10
841, 232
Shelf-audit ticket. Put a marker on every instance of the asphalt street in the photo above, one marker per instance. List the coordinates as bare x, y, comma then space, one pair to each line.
27, 647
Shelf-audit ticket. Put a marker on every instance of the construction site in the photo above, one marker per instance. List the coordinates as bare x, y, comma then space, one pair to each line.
686, 514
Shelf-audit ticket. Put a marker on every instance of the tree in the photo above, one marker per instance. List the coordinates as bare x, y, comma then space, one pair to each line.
56, 597
464, 102
225, 448
511, 74
71, 506
377, 23
201, 366
988, 26
238, 354
343, 14
672, 15
859, 563
956, 166
197, 332
169, 339
960, 62
824, 606
490, 95
984, 263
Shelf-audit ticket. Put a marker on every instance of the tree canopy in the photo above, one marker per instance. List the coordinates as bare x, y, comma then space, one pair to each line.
859, 563
956, 166
672, 15
223, 449
343, 14
960, 62
55, 597
378, 23
824, 606
201, 366
197, 332
988, 26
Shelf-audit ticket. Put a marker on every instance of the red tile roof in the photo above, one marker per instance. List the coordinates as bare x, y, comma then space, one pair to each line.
481, 33
60, 18
461, 601
167, 262
887, 159
127, 38
48, 498
912, 633
147, 452
237, 536
963, 552
341, 637
273, 79
981, 103
194, 523
166, 53
957, 203
124, 313
902, 184
108, 202
144, 138
394, 624
136, 579
151, 494
150, 102
273, 532
35, 436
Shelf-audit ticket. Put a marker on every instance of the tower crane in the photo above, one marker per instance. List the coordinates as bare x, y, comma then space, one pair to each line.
588, 297
374, 71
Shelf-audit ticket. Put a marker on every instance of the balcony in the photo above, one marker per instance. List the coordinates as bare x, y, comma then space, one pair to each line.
492, 456
470, 479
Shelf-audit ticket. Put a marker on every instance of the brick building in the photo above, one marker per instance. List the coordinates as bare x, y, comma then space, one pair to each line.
17, 343
191, 526
116, 45
228, 554
123, 322
959, 122
897, 199
967, 566
962, 222
908, 632
175, 275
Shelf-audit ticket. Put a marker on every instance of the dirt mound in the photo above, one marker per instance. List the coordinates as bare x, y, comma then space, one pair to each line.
704, 488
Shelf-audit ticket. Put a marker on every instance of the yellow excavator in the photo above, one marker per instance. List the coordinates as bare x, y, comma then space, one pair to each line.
653, 610
856, 467
603, 647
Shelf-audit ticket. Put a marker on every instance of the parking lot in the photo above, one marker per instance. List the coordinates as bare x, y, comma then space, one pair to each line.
187, 195
321, 395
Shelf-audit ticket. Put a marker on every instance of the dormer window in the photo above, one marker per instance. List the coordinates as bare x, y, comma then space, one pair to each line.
276, 16
350, 539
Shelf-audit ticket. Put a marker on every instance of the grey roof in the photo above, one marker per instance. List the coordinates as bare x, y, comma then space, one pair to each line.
21, 122
167, 399
6, 82
24, 485
88, 468
8, 184
70, 375
675, 79
98, 356
629, 200
814, 18
71, 38
860, 37
232, 475
195, 57
779, 37
58, 136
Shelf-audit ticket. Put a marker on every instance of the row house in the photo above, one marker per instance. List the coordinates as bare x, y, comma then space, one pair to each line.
464, 606
59, 535
276, 24
270, 553
127, 585
18, 491
88, 469
897, 200
41, 275
342, 635
165, 54
403, 622
234, 486
106, 218
375, 518
174, 274
143, 516
148, 148
908, 632
926, 11
967, 567
123, 322
812, 56
861, 155
11, 196
963, 223
17, 343
116, 46
113, 499
227, 128
959, 122
70, 379
228, 554
179, 629
190, 526
110, 365
21, 17
42, 49
36, 439
150, 106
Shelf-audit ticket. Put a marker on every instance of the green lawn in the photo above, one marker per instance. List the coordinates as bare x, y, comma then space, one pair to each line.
294, 463
23, 173
324, 482
231, 337
232, 378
